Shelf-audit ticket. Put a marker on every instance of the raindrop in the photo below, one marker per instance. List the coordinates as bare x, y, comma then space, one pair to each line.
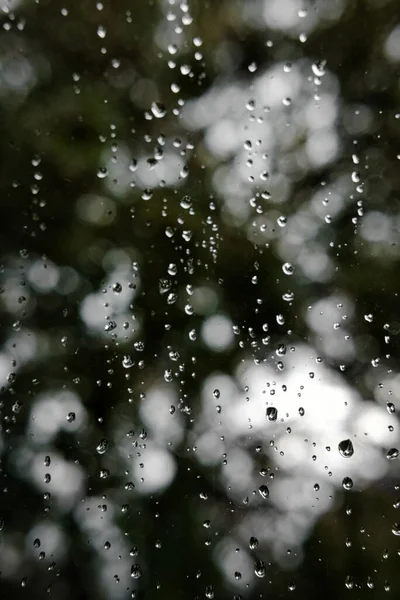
133, 165
158, 110
209, 592
168, 375
101, 31
282, 221
288, 268
102, 172
264, 491
127, 362
346, 448
272, 413
253, 543
347, 483
392, 453
102, 446
186, 202
318, 68
260, 568
349, 582
396, 529
136, 572
110, 326
288, 296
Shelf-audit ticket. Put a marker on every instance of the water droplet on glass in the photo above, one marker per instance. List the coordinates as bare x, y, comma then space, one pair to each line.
102, 172
101, 31
392, 453
390, 407
264, 491
127, 362
260, 568
396, 529
111, 325
272, 413
186, 202
71, 416
347, 483
346, 448
288, 268
318, 68
102, 446
209, 592
158, 110
253, 543
136, 572
282, 221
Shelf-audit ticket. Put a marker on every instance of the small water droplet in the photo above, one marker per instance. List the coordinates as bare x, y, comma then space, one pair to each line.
102, 446
101, 31
253, 543
288, 268
390, 407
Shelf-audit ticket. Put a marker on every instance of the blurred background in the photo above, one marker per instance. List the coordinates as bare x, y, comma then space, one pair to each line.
199, 308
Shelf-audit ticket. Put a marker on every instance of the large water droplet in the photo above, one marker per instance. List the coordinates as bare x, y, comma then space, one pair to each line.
260, 568
347, 483
264, 491
396, 529
392, 453
288, 268
346, 448
318, 68
136, 572
102, 173
158, 110
272, 413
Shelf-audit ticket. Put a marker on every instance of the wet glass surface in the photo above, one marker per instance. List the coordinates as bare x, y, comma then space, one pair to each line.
199, 307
